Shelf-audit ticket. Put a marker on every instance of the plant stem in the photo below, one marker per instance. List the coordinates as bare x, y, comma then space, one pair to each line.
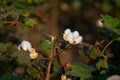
49, 65
106, 48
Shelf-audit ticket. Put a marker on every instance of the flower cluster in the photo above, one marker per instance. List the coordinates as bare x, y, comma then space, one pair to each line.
72, 37
26, 46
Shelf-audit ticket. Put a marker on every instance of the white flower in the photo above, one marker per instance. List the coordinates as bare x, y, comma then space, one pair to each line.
78, 39
25, 45
75, 34
67, 31
69, 37
72, 37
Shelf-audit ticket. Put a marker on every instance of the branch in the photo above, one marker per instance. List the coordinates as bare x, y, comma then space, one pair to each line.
49, 65
106, 48
50, 61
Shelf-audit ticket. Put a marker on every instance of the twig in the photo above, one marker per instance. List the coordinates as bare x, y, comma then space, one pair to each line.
50, 61
106, 48
49, 65
37, 67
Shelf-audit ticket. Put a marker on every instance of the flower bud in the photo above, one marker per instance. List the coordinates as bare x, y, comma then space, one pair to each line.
25, 45
32, 50
33, 55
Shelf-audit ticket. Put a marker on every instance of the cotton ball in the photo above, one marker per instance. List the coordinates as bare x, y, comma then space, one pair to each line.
69, 37
75, 34
78, 39
67, 31
25, 45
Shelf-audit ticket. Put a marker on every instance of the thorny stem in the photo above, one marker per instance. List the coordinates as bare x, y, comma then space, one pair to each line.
106, 48
50, 61
51, 55
49, 65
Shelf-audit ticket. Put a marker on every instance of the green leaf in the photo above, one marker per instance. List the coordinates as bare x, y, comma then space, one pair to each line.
1, 22
103, 72
22, 58
14, 13
106, 6
30, 22
102, 63
3, 16
93, 53
25, 13
47, 44
56, 66
32, 71
80, 70
111, 23
39, 58
5, 47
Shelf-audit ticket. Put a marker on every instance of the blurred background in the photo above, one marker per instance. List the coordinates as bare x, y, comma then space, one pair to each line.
54, 16
26, 19
19, 18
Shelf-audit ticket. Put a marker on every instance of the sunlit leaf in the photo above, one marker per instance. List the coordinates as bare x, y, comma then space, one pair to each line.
80, 70
102, 72
111, 23
93, 53
101, 64
47, 44
30, 22
25, 13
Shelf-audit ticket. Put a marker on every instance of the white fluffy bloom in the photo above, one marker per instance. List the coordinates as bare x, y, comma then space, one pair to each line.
72, 37
67, 31
25, 45
69, 37
78, 39
75, 34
